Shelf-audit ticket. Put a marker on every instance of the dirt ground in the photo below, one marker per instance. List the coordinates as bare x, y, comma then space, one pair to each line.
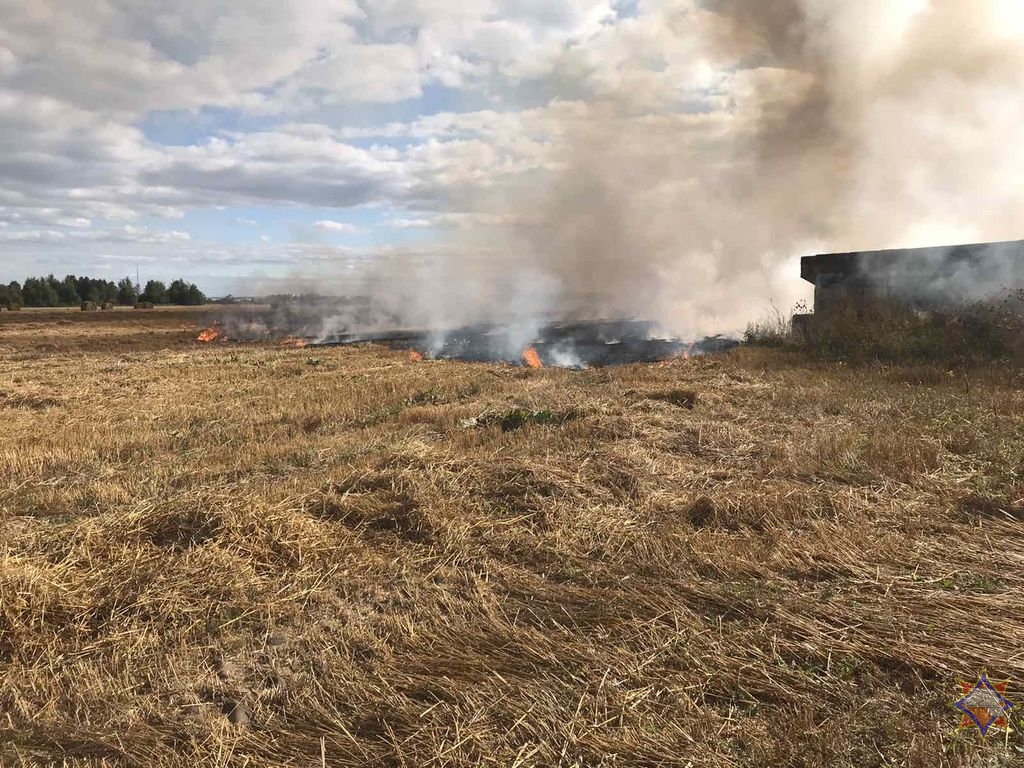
241, 554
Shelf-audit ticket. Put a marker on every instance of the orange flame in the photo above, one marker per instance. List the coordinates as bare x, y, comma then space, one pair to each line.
415, 356
291, 341
208, 335
684, 355
531, 359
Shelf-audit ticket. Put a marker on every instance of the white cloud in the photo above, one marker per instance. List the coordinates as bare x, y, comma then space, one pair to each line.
79, 222
173, 54
127, 234
355, 73
404, 223
77, 80
344, 227
463, 220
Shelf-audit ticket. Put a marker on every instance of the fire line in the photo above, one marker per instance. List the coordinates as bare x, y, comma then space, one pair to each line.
531, 359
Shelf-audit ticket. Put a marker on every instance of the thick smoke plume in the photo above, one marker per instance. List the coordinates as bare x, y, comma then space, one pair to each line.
947, 279
726, 139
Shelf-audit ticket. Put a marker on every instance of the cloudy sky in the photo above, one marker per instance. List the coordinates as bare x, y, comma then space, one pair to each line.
246, 141
225, 139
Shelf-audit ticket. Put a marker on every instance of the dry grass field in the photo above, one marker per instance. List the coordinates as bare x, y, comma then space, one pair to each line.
248, 555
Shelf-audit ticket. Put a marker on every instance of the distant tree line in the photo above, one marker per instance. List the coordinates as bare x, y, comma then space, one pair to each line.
71, 291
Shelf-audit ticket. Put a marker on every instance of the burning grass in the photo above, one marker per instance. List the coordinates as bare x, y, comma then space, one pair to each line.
218, 554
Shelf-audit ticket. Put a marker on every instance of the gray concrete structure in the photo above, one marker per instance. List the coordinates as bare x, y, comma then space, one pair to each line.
924, 278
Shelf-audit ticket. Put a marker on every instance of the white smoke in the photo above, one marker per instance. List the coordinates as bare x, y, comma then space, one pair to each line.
947, 278
804, 126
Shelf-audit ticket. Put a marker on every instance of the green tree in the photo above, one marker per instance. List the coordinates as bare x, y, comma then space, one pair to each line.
155, 291
50, 292
126, 293
180, 292
177, 291
108, 291
54, 283
84, 288
67, 292
40, 292
195, 296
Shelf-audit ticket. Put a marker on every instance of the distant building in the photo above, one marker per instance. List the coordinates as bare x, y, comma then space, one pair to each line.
923, 278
